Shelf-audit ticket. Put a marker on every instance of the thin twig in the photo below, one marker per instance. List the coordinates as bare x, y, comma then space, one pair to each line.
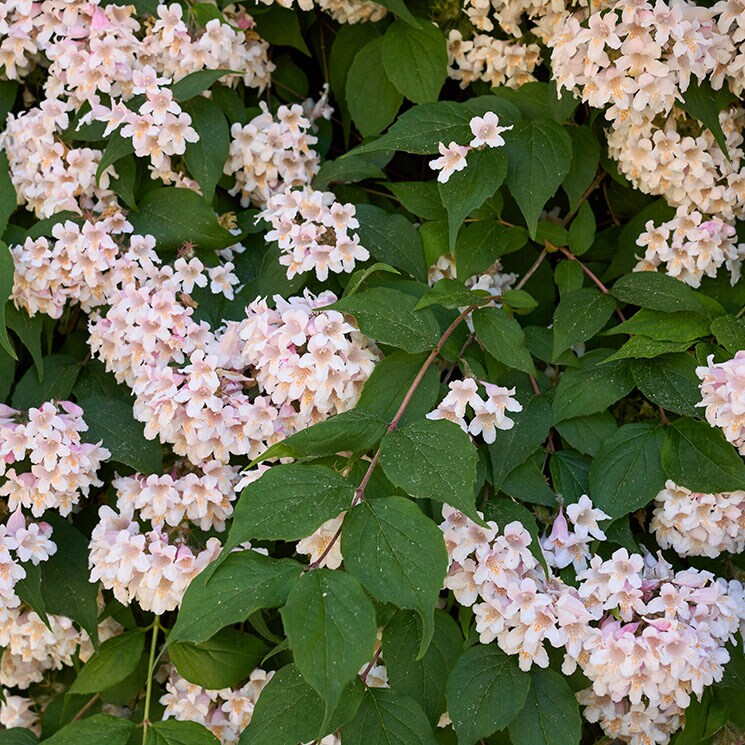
532, 269
86, 708
591, 188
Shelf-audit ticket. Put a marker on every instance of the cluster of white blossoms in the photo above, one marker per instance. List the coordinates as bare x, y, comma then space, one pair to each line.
697, 524
486, 415
639, 57
18, 711
193, 386
58, 467
48, 175
342, 11
312, 230
723, 396
687, 169
691, 247
152, 567
495, 61
272, 153
486, 133
507, 15
81, 264
494, 280
32, 647
647, 637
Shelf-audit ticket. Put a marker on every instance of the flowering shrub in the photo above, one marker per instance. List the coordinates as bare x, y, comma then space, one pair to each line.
372, 372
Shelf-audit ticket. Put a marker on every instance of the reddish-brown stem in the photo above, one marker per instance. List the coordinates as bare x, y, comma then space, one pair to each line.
370, 665
532, 270
534, 383
591, 188
86, 708
467, 343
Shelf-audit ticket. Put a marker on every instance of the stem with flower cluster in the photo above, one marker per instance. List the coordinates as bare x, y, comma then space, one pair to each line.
150, 671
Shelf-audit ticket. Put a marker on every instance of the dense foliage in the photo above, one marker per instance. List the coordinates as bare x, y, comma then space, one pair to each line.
373, 372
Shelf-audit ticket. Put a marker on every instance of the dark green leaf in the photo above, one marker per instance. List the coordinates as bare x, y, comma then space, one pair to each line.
468, 189
175, 216
118, 147
175, 732
704, 103
388, 316
243, 583
399, 556
527, 483
540, 156
421, 198
587, 433
7, 268
196, 82
114, 661
331, 627
346, 171
698, 457
550, 715
640, 347
60, 374
222, 661
680, 326
449, 293
627, 473
660, 292
415, 60
584, 165
485, 691
582, 230
205, 158
503, 338
18, 736
570, 472
481, 243
670, 381
579, 316
289, 502
8, 201
728, 330
281, 27
432, 459
28, 330
94, 730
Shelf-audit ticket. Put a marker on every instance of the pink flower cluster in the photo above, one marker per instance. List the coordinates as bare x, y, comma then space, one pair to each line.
723, 397
646, 637
83, 264
691, 247
508, 15
312, 230
61, 468
494, 280
486, 132
270, 154
488, 415
152, 567
696, 524
17, 711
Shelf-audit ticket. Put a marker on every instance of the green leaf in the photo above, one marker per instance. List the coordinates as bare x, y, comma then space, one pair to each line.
114, 661
587, 433
449, 293
240, 585
640, 347
196, 82
8, 93
550, 715
94, 730
222, 661
372, 98
421, 198
679, 326
111, 421
520, 301
175, 732
361, 275
415, 60
398, 554
281, 27
60, 374
288, 503
7, 374
385, 717
570, 472
584, 165
28, 590
698, 457
661, 292
391, 239
468, 189
64, 577
388, 316
346, 171
206, 158
357, 431
579, 316
582, 230
432, 459
8, 201
7, 268
117, 147
290, 711
389, 382
512, 447
28, 330
627, 473
527, 483
729, 332
485, 691
18, 736
704, 104
670, 381
481, 243
503, 337
593, 387
174, 216
398, 7
540, 156
420, 129
703, 719
331, 627
423, 680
